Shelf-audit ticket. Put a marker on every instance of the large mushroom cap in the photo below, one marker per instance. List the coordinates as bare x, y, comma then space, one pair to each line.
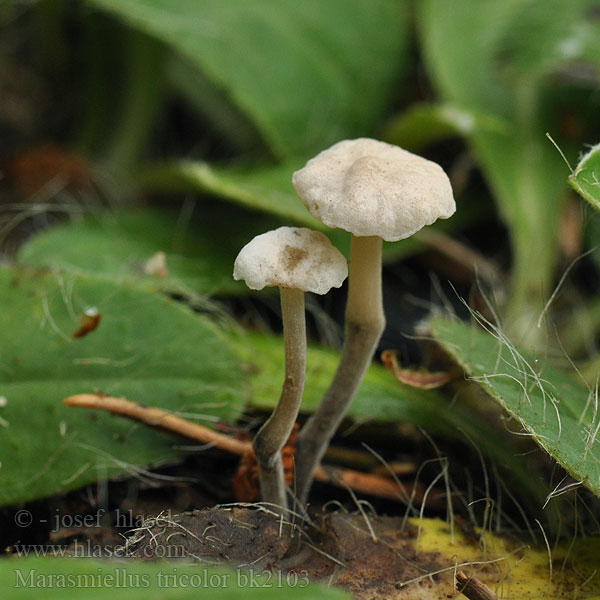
369, 188
291, 257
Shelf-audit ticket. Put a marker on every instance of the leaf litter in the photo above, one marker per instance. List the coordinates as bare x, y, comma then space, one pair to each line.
381, 558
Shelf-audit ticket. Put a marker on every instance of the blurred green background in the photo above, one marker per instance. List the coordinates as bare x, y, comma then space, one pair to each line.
107, 101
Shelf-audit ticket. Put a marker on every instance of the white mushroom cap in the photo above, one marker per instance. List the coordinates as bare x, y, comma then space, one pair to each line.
291, 257
373, 188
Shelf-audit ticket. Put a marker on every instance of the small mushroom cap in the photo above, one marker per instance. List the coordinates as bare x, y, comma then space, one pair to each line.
291, 257
370, 187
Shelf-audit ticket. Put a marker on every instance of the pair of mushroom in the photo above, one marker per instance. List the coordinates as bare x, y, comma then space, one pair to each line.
375, 191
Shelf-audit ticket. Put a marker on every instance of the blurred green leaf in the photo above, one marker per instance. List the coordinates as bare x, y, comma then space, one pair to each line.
478, 54
146, 347
84, 579
381, 398
269, 189
142, 99
540, 38
586, 177
215, 106
265, 188
550, 406
424, 124
306, 74
199, 252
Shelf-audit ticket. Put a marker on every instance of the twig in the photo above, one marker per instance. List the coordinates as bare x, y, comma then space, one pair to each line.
365, 483
473, 588
160, 419
460, 253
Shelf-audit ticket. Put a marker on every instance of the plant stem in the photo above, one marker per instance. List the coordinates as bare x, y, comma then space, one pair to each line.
99, 99
365, 322
160, 419
274, 433
141, 103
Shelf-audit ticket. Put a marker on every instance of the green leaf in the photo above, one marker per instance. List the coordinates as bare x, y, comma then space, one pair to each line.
306, 74
140, 108
269, 189
83, 578
215, 107
381, 398
549, 404
264, 188
199, 253
146, 347
585, 180
543, 38
481, 61
424, 124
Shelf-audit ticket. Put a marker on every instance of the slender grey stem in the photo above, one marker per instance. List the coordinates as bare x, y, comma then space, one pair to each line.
273, 435
365, 322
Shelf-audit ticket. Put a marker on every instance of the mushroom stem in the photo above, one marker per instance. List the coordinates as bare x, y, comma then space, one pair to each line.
365, 322
273, 435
